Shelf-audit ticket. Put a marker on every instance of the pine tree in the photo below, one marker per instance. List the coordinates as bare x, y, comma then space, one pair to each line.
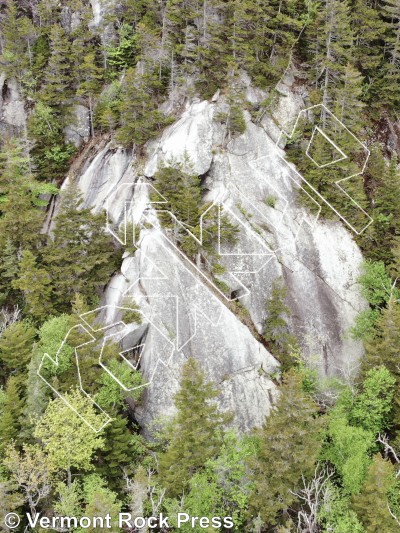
276, 328
35, 284
331, 43
196, 430
182, 190
123, 55
384, 349
80, 256
9, 499
347, 98
388, 85
16, 346
98, 497
140, 118
8, 272
20, 218
215, 51
368, 29
57, 87
50, 153
19, 35
91, 76
10, 423
388, 195
291, 436
371, 505
121, 452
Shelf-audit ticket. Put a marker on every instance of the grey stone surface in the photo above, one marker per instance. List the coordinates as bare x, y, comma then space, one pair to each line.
78, 131
318, 260
12, 108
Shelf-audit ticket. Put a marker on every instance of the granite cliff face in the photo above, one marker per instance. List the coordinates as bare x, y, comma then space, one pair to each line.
185, 315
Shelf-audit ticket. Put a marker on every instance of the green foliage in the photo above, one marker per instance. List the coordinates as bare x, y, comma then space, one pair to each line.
376, 286
97, 498
195, 432
383, 349
179, 203
68, 441
292, 436
10, 421
16, 346
52, 334
336, 515
348, 451
80, 256
353, 425
57, 86
140, 120
123, 55
8, 272
222, 489
372, 408
31, 471
123, 449
35, 284
111, 394
107, 111
20, 218
18, 34
276, 328
50, 153
371, 504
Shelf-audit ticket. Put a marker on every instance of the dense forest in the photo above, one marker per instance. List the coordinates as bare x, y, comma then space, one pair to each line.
328, 457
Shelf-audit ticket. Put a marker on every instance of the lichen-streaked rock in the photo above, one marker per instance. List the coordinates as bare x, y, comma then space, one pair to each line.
318, 260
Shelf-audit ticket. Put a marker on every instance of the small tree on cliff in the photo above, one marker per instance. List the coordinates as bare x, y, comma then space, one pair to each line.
196, 430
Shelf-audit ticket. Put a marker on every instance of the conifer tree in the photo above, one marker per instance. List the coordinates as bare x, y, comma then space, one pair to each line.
57, 87
331, 42
371, 504
383, 349
276, 328
368, 28
10, 423
80, 256
123, 55
196, 430
35, 284
20, 218
50, 153
19, 35
140, 118
91, 76
121, 452
388, 93
9, 499
16, 345
291, 436
348, 105
8, 271
97, 497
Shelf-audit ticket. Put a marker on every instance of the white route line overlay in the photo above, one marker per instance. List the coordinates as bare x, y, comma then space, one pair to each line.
86, 329
263, 256
344, 156
169, 346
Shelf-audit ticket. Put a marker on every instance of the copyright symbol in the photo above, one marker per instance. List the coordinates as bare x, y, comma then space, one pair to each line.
12, 520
